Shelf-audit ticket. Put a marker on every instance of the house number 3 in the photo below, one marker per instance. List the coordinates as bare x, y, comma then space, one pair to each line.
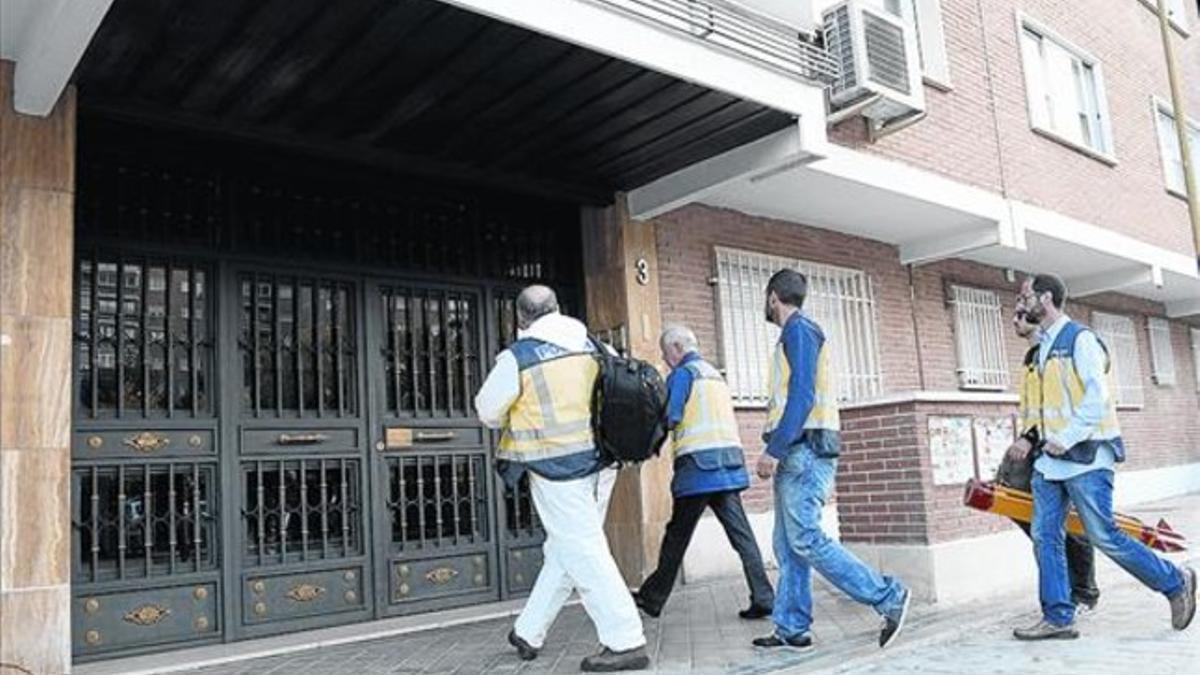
642, 271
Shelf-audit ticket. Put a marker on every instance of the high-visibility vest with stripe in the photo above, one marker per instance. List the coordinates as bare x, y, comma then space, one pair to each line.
1029, 408
708, 421
550, 424
1061, 391
824, 413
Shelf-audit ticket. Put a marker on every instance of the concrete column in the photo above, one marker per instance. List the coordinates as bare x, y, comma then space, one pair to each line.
37, 182
621, 268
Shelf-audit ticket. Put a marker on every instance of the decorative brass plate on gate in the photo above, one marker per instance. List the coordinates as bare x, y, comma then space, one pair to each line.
147, 615
398, 438
147, 441
441, 575
305, 592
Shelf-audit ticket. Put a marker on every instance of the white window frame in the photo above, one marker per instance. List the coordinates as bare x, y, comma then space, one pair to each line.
926, 19
1172, 156
840, 299
1041, 111
1162, 353
979, 337
1196, 355
1120, 337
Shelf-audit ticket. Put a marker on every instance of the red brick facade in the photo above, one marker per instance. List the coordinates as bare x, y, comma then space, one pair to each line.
882, 496
979, 132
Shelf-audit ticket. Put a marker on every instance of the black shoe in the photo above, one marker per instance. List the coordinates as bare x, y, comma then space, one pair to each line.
755, 612
608, 661
644, 605
524, 650
801, 643
892, 627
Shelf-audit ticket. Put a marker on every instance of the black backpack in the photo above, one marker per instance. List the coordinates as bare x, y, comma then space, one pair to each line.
629, 408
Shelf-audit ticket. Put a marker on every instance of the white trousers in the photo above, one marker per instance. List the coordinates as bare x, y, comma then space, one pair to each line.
576, 557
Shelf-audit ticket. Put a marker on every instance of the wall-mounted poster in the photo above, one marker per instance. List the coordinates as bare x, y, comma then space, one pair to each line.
950, 449
993, 435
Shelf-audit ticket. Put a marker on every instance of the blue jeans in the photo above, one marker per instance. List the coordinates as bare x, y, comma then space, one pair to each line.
803, 482
1091, 494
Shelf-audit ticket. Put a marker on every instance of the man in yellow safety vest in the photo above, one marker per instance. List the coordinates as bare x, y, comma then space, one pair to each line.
539, 394
710, 473
1079, 445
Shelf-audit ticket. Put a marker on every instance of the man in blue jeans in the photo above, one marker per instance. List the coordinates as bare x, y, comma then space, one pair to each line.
802, 437
1080, 444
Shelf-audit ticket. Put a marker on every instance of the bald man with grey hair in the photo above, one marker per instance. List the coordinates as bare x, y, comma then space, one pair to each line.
710, 473
539, 395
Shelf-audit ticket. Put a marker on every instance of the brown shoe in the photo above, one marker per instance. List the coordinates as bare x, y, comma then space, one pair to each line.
1183, 603
608, 661
1044, 630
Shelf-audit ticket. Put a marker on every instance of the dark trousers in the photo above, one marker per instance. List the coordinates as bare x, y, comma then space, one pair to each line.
1081, 557
685, 514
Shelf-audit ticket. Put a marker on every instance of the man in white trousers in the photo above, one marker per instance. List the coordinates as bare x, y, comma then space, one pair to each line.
539, 394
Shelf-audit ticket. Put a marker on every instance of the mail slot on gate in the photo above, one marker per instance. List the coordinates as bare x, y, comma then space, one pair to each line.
399, 438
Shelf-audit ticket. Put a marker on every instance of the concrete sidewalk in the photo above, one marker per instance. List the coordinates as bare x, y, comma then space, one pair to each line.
700, 633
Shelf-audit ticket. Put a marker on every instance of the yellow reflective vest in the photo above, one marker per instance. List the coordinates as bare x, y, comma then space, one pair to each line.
1050, 395
708, 421
549, 426
824, 413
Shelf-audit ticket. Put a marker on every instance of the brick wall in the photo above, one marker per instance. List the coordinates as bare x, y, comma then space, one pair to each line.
1163, 433
982, 123
881, 495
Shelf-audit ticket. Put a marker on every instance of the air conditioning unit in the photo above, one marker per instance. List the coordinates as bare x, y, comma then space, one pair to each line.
880, 68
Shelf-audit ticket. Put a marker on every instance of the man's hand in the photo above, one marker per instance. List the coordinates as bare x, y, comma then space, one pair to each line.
765, 468
1020, 449
1053, 449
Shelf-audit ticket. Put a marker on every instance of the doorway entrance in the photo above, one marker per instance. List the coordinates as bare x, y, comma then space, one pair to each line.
273, 426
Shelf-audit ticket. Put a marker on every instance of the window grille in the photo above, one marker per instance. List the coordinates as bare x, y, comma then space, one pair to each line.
979, 337
1118, 335
1196, 355
1162, 357
839, 299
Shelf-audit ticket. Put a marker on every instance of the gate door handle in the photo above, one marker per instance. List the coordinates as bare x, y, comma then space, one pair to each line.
435, 436
301, 439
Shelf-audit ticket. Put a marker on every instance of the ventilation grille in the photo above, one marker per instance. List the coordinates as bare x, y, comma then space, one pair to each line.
885, 53
839, 42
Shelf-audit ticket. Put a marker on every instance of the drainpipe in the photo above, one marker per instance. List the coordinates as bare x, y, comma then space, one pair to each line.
1189, 176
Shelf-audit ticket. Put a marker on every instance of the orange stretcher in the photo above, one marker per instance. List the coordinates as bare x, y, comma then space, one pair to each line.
1018, 505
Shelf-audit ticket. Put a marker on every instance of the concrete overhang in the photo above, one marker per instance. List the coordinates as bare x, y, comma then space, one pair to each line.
801, 178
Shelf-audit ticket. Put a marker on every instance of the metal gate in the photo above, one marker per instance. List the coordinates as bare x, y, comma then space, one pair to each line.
274, 427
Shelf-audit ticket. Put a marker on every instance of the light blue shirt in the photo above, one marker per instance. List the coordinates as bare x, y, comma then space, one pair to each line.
1090, 361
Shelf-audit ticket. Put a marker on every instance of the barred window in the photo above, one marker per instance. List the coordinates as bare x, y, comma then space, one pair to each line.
1196, 355
979, 337
1161, 355
839, 299
1119, 336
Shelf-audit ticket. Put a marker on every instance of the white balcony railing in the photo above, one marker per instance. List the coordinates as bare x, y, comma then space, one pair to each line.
749, 33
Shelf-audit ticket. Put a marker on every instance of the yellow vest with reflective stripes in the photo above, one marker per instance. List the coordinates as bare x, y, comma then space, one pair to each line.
824, 414
708, 420
552, 416
1061, 389
1029, 408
